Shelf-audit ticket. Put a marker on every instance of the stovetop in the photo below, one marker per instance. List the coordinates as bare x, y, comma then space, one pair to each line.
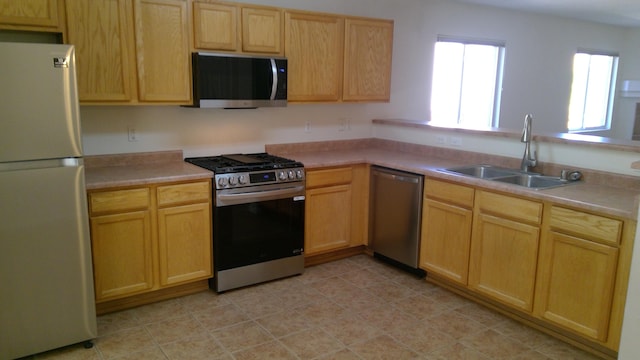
237, 163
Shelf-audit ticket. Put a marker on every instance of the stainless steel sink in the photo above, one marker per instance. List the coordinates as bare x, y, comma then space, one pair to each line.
509, 176
483, 171
533, 181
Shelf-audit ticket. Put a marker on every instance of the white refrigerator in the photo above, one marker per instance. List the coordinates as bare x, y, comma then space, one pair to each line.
46, 281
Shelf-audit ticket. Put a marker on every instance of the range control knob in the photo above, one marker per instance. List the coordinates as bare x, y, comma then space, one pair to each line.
282, 175
233, 181
222, 181
299, 174
291, 175
242, 179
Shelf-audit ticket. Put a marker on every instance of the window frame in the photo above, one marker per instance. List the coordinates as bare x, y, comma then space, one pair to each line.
610, 98
499, 76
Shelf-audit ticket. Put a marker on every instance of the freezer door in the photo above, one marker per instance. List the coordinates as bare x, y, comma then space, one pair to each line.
46, 278
39, 112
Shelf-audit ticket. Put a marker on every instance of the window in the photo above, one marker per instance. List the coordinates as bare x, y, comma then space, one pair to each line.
467, 78
592, 90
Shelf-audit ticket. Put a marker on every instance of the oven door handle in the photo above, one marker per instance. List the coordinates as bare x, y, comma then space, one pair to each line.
296, 192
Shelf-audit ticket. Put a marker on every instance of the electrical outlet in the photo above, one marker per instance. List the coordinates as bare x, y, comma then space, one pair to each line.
307, 126
441, 139
132, 134
455, 141
342, 124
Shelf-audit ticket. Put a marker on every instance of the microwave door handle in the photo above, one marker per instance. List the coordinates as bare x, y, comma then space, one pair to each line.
274, 72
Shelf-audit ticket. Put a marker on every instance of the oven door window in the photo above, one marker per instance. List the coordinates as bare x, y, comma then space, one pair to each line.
256, 232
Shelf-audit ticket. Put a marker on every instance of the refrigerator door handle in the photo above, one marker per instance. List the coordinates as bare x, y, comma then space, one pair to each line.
41, 164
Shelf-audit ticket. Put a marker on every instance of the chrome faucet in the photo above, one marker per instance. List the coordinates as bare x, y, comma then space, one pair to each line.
527, 160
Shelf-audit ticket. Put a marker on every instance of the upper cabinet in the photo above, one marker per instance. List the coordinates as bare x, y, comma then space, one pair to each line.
215, 26
139, 51
163, 51
314, 47
237, 28
131, 51
40, 15
262, 30
102, 32
367, 60
335, 58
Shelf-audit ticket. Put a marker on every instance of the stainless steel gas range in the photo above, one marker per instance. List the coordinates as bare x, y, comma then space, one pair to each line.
258, 218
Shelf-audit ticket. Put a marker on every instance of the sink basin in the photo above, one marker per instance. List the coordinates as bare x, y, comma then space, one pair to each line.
483, 171
533, 181
509, 176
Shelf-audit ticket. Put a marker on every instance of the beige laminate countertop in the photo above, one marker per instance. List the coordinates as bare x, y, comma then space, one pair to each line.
602, 199
109, 171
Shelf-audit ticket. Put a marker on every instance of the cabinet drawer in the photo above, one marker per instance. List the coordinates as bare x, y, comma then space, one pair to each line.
119, 200
587, 225
451, 193
510, 207
181, 193
316, 178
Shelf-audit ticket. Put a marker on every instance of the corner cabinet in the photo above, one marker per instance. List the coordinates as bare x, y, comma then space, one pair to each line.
447, 217
131, 51
150, 237
504, 248
336, 208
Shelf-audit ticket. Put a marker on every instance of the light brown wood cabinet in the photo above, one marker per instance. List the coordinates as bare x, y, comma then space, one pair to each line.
335, 58
314, 46
447, 217
577, 271
131, 51
37, 15
237, 28
336, 208
367, 60
504, 248
147, 238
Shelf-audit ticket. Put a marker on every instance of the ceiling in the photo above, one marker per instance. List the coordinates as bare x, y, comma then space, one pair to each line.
615, 12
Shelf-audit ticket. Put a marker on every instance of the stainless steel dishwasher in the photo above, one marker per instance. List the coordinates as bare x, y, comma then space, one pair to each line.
395, 216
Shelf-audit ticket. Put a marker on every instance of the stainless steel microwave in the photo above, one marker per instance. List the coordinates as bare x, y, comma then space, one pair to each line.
238, 81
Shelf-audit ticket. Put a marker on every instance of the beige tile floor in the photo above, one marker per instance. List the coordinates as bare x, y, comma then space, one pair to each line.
355, 308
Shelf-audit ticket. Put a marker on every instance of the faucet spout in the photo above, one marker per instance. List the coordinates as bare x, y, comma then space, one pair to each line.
528, 161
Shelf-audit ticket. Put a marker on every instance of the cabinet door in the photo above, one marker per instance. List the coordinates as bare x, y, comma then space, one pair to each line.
162, 49
314, 47
575, 284
261, 30
39, 13
184, 236
367, 60
503, 258
446, 238
122, 254
101, 31
327, 218
215, 26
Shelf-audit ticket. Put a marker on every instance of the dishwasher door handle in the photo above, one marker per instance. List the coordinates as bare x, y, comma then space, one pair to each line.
409, 179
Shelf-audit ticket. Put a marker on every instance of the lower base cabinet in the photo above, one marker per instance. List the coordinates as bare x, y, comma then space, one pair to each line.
336, 208
563, 269
504, 248
151, 237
